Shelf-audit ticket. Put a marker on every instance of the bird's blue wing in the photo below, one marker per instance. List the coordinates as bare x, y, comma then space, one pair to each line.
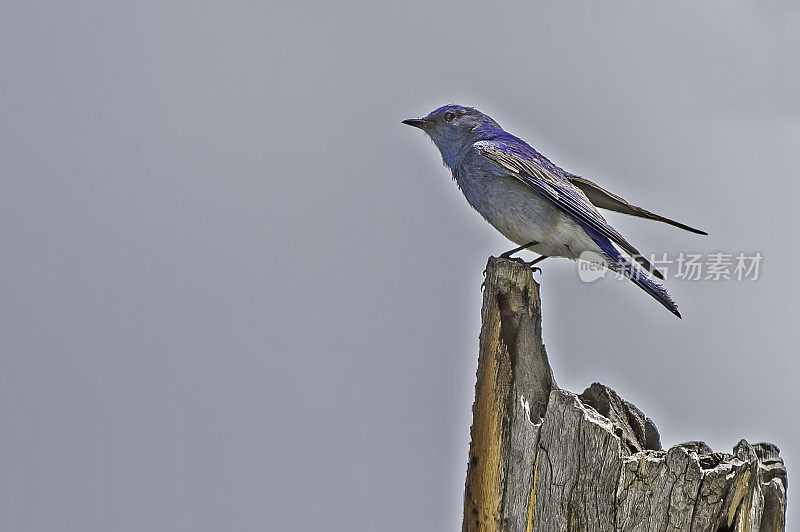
557, 189
604, 199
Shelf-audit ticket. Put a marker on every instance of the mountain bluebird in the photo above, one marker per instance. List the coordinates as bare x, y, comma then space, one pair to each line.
533, 202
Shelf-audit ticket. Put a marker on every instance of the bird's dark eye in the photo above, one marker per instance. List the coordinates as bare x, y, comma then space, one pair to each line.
449, 116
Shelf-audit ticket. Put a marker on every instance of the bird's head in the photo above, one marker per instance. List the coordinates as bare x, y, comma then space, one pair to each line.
454, 127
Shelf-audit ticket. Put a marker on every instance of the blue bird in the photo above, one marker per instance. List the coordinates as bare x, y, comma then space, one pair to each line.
533, 202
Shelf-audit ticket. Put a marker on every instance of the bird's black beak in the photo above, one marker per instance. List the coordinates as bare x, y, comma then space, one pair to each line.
417, 122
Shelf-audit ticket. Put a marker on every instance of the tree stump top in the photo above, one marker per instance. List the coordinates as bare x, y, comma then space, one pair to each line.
546, 459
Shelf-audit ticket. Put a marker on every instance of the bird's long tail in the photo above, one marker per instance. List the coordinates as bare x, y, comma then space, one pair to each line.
620, 264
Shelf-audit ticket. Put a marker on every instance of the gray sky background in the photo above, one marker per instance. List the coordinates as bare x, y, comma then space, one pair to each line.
238, 294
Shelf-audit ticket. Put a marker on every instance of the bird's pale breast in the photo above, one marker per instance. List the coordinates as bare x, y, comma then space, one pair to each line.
521, 214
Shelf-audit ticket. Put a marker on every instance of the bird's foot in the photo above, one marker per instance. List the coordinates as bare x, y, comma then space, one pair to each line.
518, 260
537, 260
530, 264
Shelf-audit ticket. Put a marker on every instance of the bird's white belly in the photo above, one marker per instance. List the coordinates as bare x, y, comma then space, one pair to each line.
523, 215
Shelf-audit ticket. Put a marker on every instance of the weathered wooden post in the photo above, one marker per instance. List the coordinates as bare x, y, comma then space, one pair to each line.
544, 459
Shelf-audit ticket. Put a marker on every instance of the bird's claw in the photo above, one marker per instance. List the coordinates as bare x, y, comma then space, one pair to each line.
530, 264
520, 260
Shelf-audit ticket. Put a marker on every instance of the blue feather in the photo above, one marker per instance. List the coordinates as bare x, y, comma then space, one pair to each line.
618, 263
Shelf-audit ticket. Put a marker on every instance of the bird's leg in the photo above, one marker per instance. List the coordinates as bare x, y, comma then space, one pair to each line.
507, 254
